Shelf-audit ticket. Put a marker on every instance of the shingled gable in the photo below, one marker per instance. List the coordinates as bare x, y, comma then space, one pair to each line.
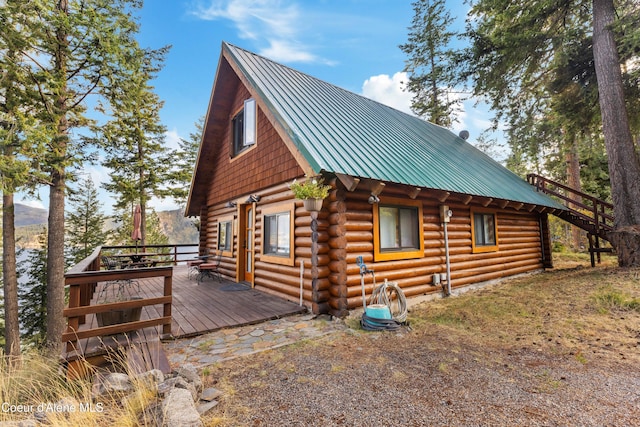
329, 129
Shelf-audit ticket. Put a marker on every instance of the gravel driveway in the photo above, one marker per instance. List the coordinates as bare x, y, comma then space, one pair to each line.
433, 378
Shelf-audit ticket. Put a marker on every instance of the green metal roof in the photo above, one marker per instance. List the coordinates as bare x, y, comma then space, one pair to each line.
341, 132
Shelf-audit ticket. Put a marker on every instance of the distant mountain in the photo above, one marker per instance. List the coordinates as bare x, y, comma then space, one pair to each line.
27, 215
30, 222
178, 228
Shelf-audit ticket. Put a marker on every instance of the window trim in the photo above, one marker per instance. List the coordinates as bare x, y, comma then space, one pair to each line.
386, 255
287, 207
237, 151
224, 220
483, 248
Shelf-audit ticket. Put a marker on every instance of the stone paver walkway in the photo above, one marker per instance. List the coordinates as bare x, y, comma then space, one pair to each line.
230, 343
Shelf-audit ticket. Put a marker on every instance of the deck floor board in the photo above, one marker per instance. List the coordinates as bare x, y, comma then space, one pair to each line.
197, 308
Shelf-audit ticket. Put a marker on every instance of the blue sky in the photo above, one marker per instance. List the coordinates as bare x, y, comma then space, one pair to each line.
350, 43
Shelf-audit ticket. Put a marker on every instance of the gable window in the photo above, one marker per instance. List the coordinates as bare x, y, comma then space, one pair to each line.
278, 234
243, 127
398, 230
225, 236
484, 231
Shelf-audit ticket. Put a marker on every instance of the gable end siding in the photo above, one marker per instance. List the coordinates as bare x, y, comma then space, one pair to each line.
266, 164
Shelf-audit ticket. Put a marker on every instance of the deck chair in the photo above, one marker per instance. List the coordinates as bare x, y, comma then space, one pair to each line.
194, 263
210, 269
111, 263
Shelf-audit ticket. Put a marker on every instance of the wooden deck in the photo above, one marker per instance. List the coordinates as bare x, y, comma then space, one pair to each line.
197, 308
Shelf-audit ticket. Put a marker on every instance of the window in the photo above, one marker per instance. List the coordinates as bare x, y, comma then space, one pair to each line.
484, 232
277, 222
225, 236
243, 127
398, 230
276, 228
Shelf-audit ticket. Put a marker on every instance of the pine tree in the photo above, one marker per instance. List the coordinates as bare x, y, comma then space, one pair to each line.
78, 44
531, 63
33, 295
134, 138
21, 135
432, 75
85, 222
184, 160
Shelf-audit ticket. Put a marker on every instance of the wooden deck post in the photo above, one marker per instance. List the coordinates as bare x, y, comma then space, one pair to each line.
73, 322
168, 285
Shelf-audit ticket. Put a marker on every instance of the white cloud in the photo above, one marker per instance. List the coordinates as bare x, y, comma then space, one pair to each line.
286, 51
470, 116
172, 139
167, 204
278, 22
389, 91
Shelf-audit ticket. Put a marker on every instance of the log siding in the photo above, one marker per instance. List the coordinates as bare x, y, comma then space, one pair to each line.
344, 230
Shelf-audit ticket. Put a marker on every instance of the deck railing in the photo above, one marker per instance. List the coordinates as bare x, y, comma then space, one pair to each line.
585, 207
82, 280
171, 254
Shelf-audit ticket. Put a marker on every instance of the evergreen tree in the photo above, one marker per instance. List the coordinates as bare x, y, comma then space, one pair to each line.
85, 222
134, 138
33, 295
2, 324
531, 63
430, 66
71, 47
184, 160
20, 143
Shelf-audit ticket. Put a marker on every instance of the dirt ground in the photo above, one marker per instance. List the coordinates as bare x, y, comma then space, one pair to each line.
559, 348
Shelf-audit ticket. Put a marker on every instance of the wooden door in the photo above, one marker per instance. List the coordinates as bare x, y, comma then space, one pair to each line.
248, 230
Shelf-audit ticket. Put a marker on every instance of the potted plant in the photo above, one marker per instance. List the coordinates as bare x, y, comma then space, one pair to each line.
312, 192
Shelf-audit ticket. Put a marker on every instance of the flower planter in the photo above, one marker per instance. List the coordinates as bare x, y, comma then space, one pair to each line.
312, 205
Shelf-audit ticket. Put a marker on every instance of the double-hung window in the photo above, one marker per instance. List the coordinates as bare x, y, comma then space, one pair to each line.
243, 126
398, 230
484, 231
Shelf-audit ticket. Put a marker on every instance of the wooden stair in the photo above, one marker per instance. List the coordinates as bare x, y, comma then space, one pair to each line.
583, 210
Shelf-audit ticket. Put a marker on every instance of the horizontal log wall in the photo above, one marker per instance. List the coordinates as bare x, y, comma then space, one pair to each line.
518, 241
344, 231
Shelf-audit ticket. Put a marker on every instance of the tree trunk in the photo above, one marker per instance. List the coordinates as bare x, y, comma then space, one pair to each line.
57, 190
55, 264
624, 165
573, 178
10, 278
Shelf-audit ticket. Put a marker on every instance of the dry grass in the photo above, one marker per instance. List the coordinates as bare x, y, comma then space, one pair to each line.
39, 385
520, 331
574, 310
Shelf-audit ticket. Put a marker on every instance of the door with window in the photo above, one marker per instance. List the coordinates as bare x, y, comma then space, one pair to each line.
248, 231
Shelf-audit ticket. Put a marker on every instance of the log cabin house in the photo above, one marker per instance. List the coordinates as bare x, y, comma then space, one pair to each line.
403, 190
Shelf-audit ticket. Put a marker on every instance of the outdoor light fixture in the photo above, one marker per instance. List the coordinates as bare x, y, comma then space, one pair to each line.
231, 204
374, 199
254, 198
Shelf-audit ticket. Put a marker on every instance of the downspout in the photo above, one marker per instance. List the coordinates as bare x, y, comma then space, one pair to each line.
445, 216
448, 262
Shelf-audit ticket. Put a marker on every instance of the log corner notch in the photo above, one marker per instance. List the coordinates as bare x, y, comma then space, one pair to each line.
626, 240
